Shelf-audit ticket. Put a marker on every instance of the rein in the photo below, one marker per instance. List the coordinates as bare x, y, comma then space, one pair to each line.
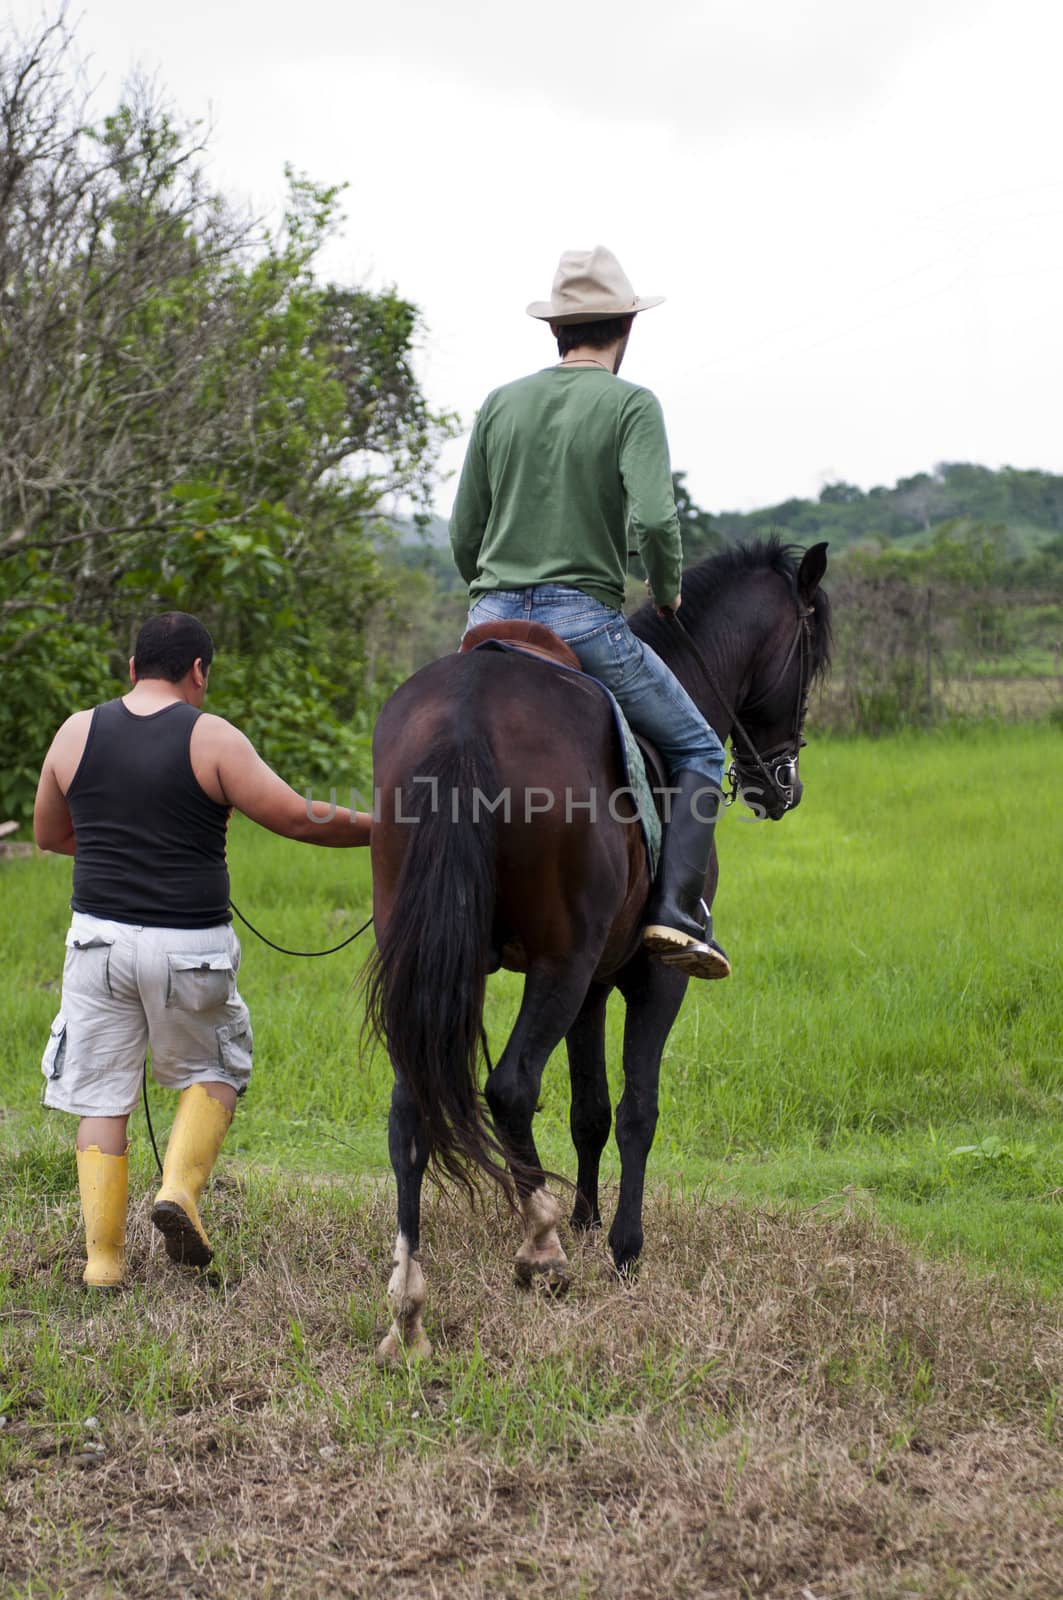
784, 755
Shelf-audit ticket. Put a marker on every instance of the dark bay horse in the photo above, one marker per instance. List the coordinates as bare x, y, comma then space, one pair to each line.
506, 837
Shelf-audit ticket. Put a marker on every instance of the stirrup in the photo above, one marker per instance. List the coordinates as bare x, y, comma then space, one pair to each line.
694, 957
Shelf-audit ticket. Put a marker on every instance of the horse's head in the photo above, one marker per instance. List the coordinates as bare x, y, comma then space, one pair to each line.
766, 734
751, 639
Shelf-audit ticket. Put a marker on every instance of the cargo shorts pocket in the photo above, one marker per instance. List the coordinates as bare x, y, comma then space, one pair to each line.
55, 1050
200, 980
235, 1048
87, 969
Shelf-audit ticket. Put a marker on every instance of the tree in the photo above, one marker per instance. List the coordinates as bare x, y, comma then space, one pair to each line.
700, 536
190, 418
840, 494
920, 499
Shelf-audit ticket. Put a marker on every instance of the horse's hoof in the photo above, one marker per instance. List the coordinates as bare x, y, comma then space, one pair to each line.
550, 1277
581, 1223
395, 1352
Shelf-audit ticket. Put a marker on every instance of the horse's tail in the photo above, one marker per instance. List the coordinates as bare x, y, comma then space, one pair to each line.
425, 984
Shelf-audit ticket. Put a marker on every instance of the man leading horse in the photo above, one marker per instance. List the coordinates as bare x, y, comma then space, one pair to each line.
562, 469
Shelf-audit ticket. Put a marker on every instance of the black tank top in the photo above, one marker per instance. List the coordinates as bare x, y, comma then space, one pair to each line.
150, 842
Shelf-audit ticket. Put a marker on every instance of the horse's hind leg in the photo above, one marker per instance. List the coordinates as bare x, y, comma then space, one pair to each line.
551, 1002
408, 1148
591, 1115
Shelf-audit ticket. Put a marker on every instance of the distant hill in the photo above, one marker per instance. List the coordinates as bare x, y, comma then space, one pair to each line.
423, 546
1022, 509
1026, 505
431, 532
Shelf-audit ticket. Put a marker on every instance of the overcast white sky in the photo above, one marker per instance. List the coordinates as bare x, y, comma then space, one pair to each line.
854, 207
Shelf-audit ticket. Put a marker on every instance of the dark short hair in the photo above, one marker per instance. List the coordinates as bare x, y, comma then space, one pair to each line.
570, 335
168, 646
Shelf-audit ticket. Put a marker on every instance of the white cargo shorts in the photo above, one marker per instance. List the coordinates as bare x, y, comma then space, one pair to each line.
127, 987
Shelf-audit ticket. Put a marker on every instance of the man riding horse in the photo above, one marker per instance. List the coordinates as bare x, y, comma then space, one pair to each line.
562, 469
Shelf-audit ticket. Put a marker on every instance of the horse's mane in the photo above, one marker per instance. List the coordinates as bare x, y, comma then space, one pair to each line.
704, 582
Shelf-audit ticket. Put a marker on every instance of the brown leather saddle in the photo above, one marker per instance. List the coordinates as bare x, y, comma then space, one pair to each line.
532, 638
535, 639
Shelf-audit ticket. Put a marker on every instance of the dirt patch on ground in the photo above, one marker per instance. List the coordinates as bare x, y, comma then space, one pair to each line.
783, 1405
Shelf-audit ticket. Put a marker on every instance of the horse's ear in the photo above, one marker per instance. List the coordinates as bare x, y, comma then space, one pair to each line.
810, 572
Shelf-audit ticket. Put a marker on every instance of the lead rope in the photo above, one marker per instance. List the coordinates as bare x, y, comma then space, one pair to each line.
147, 1116
308, 954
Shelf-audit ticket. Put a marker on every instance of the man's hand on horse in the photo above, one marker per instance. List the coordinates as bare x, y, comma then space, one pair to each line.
662, 611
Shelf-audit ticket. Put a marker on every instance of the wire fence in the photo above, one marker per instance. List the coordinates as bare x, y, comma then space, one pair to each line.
910, 655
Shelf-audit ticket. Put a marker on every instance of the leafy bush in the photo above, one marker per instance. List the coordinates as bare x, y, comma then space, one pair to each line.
53, 673
287, 707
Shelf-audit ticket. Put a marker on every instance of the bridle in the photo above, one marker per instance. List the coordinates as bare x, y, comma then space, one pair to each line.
777, 766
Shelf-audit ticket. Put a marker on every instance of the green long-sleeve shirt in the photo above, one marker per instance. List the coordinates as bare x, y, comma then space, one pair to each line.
564, 469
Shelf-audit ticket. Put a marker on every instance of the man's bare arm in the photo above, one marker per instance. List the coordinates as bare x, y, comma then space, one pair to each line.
229, 768
52, 827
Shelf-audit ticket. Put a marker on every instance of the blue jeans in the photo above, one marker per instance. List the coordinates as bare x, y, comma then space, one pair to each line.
651, 697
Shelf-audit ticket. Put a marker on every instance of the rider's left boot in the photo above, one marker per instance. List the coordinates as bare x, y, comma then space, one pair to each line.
674, 931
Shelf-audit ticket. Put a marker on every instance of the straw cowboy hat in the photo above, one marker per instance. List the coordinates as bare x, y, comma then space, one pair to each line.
589, 286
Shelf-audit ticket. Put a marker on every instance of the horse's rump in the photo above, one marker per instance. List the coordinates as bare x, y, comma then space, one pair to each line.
567, 855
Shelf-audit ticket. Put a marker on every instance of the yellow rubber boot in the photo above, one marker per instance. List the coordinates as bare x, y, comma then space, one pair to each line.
195, 1139
104, 1184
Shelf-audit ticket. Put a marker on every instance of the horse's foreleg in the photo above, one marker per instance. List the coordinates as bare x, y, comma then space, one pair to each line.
653, 995
408, 1148
591, 1114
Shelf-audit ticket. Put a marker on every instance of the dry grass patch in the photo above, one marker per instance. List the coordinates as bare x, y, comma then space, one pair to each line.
783, 1403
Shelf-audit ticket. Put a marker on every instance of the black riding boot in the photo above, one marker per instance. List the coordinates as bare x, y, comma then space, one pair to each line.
677, 928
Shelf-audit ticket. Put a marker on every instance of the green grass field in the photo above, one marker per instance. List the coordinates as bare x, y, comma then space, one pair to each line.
794, 1398
891, 1037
